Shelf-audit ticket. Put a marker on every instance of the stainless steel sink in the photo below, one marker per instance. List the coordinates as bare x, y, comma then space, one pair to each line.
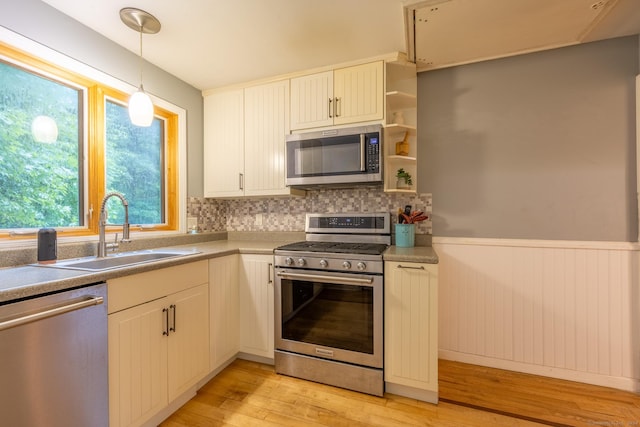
118, 260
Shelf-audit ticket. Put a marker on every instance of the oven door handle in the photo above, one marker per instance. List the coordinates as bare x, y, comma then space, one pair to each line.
323, 278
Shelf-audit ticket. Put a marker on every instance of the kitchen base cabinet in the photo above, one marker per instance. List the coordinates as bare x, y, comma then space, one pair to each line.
188, 339
225, 314
158, 340
256, 305
137, 364
411, 330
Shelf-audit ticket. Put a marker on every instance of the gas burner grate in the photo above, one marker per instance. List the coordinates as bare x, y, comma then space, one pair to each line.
336, 247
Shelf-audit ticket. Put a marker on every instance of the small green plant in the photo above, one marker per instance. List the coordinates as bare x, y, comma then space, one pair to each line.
402, 174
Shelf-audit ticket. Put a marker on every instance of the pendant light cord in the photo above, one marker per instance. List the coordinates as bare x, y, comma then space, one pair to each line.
141, 89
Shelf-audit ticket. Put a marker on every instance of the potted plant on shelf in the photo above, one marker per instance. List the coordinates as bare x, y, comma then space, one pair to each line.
404, 179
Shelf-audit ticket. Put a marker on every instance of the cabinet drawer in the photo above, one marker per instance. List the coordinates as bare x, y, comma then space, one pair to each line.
128, 291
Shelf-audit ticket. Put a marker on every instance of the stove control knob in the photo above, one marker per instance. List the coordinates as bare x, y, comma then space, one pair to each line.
301, 262
323, 263
346, 265
361, 266
288, 261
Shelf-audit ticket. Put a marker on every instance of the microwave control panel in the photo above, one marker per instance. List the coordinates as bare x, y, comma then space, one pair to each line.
373, 153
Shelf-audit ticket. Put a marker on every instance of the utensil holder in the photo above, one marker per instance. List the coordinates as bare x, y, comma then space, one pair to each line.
405, 235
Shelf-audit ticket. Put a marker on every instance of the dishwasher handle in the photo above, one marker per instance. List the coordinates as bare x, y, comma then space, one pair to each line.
45, 314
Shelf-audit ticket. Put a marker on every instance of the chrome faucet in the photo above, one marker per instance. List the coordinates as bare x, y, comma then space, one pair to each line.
103, 246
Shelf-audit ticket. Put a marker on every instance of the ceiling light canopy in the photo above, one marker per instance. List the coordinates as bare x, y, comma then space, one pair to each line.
140, 105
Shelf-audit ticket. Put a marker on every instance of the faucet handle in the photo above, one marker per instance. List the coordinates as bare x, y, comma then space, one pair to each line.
112, 246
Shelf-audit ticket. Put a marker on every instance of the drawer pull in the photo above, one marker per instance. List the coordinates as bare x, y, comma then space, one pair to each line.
410, 268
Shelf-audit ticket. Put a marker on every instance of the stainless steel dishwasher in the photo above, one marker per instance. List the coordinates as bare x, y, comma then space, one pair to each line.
53, 360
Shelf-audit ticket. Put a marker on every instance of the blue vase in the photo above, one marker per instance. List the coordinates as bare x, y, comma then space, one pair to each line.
405, 235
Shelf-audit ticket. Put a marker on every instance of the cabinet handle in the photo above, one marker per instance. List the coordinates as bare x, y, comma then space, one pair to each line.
410, 268
241, 180
173, 307
338, 107
269, 270
330, 112
165, 311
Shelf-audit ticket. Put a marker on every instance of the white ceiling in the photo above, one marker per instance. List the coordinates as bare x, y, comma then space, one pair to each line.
213, 43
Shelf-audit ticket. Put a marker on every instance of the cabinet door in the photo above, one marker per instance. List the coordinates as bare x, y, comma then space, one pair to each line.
137, 363
256, 305
223, 143
188, 352
312, 101
359, 93
411, 314
266, 124
224, 305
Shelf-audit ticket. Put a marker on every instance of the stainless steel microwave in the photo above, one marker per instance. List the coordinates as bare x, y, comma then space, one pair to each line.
334, 157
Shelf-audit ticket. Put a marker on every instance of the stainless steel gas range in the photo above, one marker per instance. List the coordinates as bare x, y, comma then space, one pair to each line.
329, 301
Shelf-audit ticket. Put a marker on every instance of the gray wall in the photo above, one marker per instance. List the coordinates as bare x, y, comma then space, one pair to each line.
40, 22
537, 146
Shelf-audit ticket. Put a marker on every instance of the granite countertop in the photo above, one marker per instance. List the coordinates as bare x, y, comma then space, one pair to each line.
32, 280
422, 254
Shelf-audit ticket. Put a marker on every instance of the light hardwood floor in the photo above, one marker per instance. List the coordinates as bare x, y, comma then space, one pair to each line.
252, 394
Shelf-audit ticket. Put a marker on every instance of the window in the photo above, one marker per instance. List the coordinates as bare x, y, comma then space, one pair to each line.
134, 164
60, 181
40, 181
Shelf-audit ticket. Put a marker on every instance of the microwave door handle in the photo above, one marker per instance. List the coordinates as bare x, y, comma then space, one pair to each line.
363, 158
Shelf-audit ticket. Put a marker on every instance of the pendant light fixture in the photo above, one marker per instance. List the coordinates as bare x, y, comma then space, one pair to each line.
44, 129
140, 105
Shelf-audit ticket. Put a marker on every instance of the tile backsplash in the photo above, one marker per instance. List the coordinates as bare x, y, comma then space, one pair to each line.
288, 213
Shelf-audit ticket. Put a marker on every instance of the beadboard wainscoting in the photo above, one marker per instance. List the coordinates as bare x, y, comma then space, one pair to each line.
563, 309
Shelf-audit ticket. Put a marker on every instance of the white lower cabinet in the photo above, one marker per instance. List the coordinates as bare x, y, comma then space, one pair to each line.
225, 315
158, 339
411, 330
256, 305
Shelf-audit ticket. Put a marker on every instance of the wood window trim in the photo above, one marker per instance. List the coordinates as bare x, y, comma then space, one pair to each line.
96, 164
95, 179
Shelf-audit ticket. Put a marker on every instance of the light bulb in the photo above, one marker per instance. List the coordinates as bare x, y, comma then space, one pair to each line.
44, 129
141, 109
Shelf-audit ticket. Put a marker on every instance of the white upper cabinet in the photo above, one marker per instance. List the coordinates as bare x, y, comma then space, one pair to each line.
312, 101
244, 136
345, 95
224, 144
266, 123
359, 93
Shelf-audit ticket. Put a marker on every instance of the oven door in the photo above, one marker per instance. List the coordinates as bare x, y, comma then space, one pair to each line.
330, 315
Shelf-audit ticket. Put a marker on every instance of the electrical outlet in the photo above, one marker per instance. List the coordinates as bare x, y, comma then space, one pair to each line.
258, 219
192, 223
